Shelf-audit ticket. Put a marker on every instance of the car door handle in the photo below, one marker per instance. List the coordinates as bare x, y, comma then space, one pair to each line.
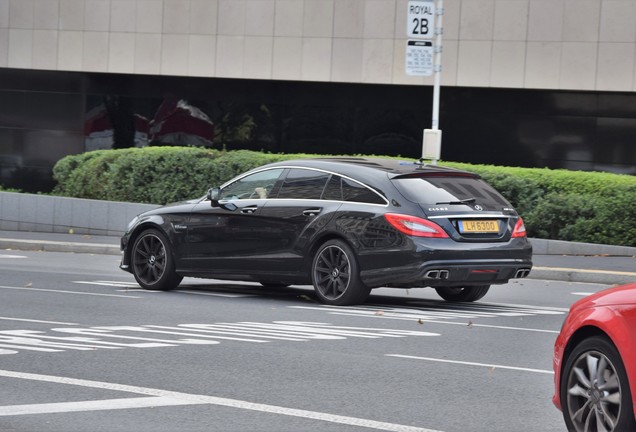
249, 209
311, 212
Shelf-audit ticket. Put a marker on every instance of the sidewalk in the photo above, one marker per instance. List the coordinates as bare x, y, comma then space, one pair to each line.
577, 262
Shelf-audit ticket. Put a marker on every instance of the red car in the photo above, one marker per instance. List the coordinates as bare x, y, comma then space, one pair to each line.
595, 362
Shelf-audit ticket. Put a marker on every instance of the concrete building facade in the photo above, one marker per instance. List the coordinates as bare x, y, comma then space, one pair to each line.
533, 44
574, 60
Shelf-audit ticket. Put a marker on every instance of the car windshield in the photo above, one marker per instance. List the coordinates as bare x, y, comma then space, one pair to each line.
449, 190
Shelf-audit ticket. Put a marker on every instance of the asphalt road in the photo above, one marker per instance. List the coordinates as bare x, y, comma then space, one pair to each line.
83, 349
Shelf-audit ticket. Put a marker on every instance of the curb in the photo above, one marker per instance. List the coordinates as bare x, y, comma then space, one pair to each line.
604, 277
56, 246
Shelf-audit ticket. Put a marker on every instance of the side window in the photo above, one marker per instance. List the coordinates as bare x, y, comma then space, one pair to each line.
341, 189
253, 186
303, 184
355, 192
333, 190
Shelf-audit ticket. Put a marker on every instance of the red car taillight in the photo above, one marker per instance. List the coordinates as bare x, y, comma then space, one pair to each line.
414, 226
520, 229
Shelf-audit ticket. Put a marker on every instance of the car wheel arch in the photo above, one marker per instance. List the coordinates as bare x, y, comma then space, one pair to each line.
579, 336
145, 226
317, 243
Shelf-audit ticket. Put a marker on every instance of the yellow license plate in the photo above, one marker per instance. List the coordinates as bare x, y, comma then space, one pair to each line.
479, 226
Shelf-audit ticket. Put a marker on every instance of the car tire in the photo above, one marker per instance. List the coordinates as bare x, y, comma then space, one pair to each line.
463, 294
336, 275
584, 397
152, 262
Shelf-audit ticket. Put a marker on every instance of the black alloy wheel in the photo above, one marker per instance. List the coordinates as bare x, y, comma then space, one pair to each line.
152, 262
595, 393
336, 275
463, 294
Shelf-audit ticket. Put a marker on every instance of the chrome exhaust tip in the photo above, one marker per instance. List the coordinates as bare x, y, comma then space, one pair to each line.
437, 274
522, 273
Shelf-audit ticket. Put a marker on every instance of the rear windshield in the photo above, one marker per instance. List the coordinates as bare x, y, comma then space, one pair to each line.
444, 190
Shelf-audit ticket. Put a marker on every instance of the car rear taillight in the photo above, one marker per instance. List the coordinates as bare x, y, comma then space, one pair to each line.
415, 226
520, 229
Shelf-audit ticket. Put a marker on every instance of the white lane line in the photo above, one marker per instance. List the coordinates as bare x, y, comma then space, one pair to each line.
169, 396
68, 292
527, 308
491, 366
97, 405
582, 294
131, 287
216, 294
471, 324
37, 321
12, 256
110, 284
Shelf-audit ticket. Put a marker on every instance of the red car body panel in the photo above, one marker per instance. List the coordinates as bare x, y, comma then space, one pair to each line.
613, 312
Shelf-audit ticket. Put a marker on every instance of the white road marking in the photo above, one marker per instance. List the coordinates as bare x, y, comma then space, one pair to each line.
155, 336
37, 321
133, 287
166, 398
431, 311
97, 405
68, 292
205, 293
491, 366
12, 256
111, 283
582, 294
533, 330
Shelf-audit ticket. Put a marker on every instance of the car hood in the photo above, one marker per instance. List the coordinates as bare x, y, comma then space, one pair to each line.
621, 295
173, 206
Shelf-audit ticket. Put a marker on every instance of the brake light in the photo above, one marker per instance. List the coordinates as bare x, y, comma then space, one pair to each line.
520, 229
414, 226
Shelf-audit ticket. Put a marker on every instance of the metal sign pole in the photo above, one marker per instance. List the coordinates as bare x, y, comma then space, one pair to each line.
423, 21
434, 138
438, 62
432, 141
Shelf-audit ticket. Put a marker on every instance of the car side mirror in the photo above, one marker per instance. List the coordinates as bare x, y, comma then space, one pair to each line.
214, 194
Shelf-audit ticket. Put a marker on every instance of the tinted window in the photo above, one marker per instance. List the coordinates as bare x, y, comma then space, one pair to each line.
433, 190
333, 190
303, 184
254, 186
341, 189
356, 192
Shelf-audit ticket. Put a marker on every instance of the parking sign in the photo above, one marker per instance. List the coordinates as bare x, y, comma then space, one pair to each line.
420, 19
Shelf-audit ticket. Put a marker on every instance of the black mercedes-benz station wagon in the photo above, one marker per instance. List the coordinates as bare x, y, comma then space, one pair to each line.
345, 225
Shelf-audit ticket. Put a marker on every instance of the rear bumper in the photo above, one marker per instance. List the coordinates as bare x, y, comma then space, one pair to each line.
424, 262
444, 273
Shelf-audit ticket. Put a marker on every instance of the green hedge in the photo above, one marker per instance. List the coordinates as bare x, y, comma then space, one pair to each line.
153, 174
555, 204
568, 205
